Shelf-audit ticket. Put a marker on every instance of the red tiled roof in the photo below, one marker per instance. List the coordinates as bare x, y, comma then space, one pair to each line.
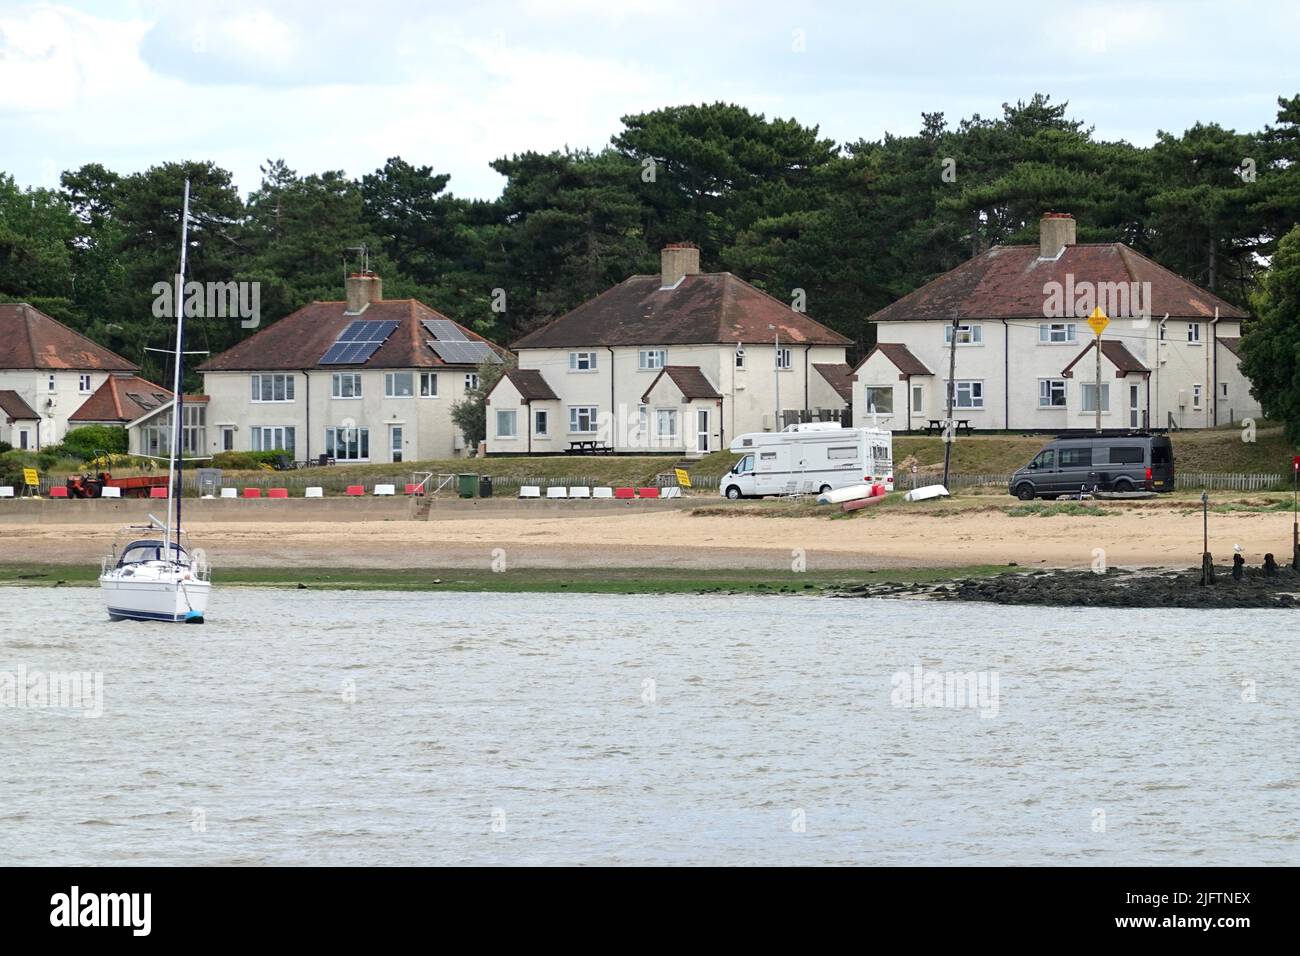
839, 377
1233, 345
30, 339
702, 309
690, 381
1116, 353
1006, 282
900, 355
15, 409
530, 384
122, 398
299, 340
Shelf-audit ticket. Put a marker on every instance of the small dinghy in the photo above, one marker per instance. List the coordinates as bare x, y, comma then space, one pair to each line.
926, 493
849, 493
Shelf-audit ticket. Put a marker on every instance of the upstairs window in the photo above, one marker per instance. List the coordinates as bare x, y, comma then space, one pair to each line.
651, 360
345, 385
272, 388
582, 361
966, 335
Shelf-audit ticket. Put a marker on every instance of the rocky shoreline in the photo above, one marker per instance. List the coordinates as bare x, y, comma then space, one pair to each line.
1116, 587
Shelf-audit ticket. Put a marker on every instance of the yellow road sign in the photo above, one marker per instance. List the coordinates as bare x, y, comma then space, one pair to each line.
683, 478
1098, 321
30, 478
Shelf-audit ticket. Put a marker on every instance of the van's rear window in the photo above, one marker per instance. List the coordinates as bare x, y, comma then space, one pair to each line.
1161, 454
1129, 455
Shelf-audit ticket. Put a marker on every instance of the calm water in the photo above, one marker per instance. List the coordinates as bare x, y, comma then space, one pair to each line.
377, 728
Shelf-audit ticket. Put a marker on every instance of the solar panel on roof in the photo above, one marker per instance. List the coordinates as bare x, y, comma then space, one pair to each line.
360, 340
444, 330
463, 353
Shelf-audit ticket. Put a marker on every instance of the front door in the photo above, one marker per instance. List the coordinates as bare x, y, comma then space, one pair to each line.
395, 441
1133, 406
702, 430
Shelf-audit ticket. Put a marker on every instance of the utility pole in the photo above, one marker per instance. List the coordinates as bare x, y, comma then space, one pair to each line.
949, 433
1097, 321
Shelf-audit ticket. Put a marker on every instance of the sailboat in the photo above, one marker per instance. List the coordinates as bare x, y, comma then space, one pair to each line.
154, 575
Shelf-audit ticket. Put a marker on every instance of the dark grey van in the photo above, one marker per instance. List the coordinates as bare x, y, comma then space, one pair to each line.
1067, 465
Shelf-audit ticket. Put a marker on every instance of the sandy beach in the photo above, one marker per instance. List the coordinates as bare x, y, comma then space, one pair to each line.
891, 539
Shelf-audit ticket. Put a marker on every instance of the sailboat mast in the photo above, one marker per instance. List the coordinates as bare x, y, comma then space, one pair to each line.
174, 467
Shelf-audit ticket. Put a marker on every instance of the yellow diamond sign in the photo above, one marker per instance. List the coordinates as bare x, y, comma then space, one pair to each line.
1098, 321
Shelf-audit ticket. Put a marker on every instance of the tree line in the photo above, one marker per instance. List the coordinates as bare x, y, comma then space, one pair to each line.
853, 225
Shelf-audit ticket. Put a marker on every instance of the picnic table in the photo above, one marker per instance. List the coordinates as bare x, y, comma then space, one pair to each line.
589, 447
936, 424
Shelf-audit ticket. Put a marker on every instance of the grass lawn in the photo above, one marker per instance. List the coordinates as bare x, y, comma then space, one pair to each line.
529, 580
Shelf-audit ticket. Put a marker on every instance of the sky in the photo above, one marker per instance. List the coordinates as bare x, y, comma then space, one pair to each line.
134, 83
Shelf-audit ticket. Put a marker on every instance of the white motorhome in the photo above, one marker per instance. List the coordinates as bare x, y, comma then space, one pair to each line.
810, 458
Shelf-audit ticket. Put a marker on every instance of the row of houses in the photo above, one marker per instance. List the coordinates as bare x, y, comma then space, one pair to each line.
676, 362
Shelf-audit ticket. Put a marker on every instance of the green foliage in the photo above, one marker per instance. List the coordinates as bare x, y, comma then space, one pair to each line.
1272, 342
469, 415
89, 441
853, 225
248, 460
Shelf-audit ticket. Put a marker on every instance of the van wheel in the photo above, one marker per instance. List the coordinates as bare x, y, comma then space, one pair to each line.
733, 492
1122, 485
824, 489
1025, 492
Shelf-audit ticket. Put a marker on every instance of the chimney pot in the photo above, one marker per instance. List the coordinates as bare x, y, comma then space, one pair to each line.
1055, 232
363, 288
678, 259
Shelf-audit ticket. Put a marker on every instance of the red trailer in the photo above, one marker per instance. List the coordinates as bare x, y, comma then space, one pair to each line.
137, 486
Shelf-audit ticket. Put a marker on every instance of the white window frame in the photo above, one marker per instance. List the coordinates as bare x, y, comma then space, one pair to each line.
1045, 390
511, 415
873, 388
669, 415
50, 384
333, 433
740, 358
1197, 396
542, 422
972, 332
336, 385
784, 359
582, 362
646, 360
390, 380
1086, 388
83, 384
471, 380
971, 386
918, 399
577, 413
257, 438
428, 385
259, 381
1193, 333
1058, 333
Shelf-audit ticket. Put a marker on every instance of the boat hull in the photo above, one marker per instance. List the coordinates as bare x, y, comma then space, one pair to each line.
170, 601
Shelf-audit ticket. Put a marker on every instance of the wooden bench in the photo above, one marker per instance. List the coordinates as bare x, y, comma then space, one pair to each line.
589, 447
936, 425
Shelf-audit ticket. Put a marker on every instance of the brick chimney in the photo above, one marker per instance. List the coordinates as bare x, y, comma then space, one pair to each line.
363, 288
1055, 232
678, 259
